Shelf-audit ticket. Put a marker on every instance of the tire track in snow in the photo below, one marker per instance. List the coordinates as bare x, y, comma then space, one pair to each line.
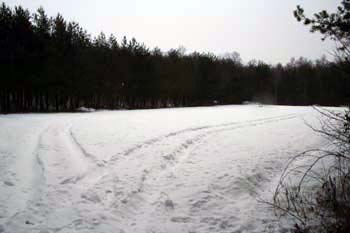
144, 195
189, 143
196, 141
61, 163
119, 157
158, 139
94, 163
104, 167
153, 198
86, 154
128, 203
38, 160
35, 178
141, 200
183, 146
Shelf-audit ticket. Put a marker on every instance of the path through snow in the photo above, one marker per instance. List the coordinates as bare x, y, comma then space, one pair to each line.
169, 170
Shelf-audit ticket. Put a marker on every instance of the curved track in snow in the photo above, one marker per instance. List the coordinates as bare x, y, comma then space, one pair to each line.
191, 170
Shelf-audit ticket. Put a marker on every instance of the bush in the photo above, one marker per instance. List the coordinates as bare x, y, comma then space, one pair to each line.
314, 189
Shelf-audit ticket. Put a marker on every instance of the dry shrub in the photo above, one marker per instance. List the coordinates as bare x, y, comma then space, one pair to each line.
314, 189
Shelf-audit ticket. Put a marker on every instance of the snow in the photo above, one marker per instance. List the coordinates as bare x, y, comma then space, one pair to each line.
201, 169
84, 109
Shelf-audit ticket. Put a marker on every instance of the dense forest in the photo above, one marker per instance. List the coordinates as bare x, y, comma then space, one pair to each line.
49, 64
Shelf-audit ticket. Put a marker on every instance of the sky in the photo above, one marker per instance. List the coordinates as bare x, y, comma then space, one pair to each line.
257, 29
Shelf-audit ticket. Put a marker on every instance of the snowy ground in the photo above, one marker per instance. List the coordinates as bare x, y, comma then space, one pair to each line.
170, 170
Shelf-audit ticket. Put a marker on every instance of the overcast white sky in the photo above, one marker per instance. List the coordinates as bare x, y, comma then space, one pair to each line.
257, 29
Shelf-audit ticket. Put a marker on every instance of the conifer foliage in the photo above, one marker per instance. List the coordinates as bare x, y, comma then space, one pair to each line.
49, 64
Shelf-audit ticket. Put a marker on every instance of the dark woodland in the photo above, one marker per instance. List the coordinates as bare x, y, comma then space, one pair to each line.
50, 65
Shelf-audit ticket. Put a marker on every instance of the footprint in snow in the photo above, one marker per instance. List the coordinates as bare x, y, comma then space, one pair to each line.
29, 222
169, 204
9, 183
169, 157
92, 197
181, 219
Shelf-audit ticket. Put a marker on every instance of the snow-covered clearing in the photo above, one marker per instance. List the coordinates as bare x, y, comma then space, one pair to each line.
169, 170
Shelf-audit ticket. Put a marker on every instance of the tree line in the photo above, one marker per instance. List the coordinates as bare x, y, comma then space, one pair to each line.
49, 64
